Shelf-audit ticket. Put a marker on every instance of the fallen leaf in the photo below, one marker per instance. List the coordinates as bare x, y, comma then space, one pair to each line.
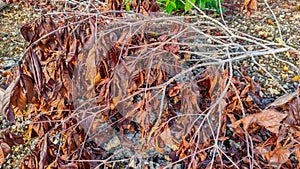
5, 98
297, 154
29, 87
248, 4
279, 155
5, 149
19, 100
270, 119
270, 22
174, 90
166, 137
283, 99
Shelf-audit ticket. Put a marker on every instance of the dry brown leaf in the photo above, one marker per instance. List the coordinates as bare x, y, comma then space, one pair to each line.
159, 145
294, 109
270, 22
174, 90
35, 68
283, 99
297, 154
12, 139
223, 138
5, 98
266, 147
28, 85
27, 31
40, 126
253, 4
167, 138
279, 155
67, 82
19, 100
43, 151
91, 70
5, 149
248, 4
270, 119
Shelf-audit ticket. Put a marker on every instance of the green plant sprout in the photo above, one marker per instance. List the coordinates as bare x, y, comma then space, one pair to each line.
186, 5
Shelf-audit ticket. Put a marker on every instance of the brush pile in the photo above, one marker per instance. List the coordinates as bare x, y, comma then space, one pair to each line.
120, 89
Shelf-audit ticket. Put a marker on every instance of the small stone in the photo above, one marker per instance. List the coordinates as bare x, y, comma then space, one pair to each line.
278, 40
295, 78
285, 68
16, 148
287, 54
113, 143
261, 70
276, 91
209, 41
284, 76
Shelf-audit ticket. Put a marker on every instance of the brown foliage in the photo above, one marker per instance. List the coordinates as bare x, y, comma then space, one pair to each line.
248, 4
75, 79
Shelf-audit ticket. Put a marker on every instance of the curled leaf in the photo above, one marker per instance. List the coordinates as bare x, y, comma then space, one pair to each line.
270, 119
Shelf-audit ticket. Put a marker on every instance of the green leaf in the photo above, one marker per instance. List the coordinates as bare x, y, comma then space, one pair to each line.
127, 7
171, 6
179, 4
202, 4
189, 4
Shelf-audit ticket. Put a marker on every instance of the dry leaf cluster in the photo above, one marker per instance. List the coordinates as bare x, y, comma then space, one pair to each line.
88, 78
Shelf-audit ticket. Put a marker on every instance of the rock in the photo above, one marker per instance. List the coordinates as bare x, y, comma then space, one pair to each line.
2, 4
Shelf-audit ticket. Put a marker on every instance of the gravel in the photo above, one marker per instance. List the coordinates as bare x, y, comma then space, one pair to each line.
262, 24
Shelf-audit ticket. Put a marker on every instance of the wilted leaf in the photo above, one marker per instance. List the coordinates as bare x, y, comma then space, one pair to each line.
30, 161
270, 22
279, 155
294, 110
43, 152
297, 154
72, 142
270, 119
266, 147
35, 68
41, 125
174, 90
28, 85
12, 139
222, 138
19, 100
174, 157
67, 82
166, 137
159, 145
5, 149
283, 99
91, 65
27, 31
253, 4
248, 4
5, 98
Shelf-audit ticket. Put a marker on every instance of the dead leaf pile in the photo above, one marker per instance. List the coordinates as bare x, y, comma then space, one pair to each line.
87, 80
